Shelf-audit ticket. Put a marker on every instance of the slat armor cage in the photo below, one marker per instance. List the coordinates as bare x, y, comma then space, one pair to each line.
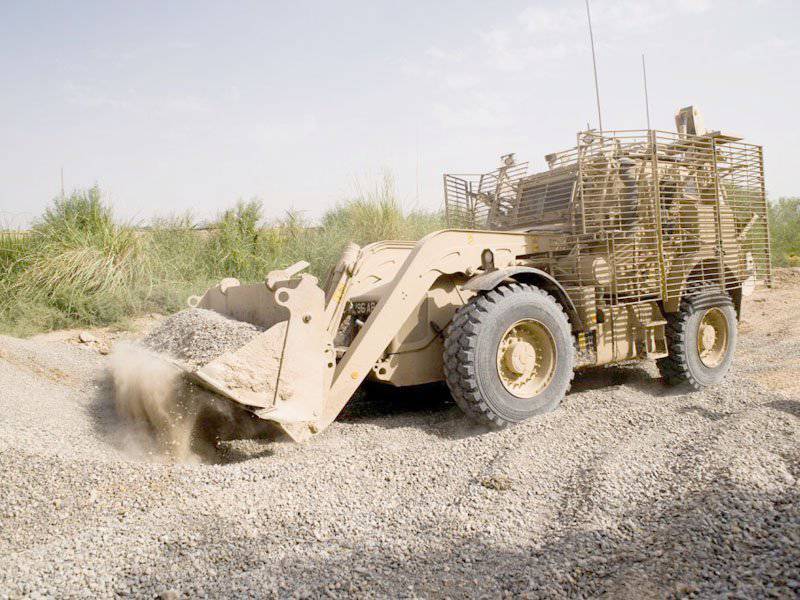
644, 215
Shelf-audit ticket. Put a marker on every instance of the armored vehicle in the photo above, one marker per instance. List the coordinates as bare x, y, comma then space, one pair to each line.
631, 245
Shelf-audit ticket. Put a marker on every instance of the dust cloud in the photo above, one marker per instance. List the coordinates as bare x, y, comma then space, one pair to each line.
163, 417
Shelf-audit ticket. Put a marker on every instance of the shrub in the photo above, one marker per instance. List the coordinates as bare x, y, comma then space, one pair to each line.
79, 266
237, 246
81, 263
784, 217
374, 215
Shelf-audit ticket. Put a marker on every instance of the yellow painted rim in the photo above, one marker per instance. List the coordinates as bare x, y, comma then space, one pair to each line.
712, 338
526, 358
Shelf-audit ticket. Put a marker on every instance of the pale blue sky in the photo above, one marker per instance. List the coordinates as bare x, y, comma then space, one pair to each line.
170, 106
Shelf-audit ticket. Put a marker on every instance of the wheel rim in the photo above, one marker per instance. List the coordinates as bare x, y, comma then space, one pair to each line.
712, 338
526, 358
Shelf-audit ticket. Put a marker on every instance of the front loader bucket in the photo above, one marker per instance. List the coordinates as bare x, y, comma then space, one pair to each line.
281, 374
291, 373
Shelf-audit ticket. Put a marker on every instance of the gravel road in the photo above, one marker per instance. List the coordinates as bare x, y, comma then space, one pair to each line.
630, 490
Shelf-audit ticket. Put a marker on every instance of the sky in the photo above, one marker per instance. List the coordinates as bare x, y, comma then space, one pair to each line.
190, 106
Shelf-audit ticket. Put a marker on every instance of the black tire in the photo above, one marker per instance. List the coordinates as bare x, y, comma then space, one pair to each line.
471, 346
684, 366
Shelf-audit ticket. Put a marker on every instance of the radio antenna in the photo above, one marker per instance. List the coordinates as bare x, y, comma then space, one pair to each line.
594, 66
646, 98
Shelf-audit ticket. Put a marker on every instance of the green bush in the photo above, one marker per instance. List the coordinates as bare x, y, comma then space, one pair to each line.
372, 216
237, 246
79, 266
784, 221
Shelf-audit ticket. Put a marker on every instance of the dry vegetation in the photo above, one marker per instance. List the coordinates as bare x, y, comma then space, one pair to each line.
81, 266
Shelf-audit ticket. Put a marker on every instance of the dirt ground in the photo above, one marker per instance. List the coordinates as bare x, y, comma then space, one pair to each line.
629, 490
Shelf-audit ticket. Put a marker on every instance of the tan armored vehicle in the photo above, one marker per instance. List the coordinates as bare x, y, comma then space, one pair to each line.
631, 245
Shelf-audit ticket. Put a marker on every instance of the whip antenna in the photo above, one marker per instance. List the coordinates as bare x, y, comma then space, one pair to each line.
594, 66
646, 98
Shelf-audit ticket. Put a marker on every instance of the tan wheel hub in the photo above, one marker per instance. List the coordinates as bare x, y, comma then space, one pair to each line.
521, 358
712, 338
526, 358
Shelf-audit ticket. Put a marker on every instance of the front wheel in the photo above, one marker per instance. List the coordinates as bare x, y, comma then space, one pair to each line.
509, 355
701, 339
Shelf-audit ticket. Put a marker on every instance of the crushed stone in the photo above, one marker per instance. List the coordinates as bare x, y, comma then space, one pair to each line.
197, 336
630, 489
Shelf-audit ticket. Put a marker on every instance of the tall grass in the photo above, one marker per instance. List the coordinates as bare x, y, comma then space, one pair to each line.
80, 266
374, 215
176, 248
12, 262
12, 253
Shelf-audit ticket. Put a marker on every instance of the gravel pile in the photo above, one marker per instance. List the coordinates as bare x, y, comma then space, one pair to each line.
197, 336
629, 490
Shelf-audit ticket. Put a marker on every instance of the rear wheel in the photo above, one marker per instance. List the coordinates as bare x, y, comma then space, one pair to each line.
701, 339
509, 355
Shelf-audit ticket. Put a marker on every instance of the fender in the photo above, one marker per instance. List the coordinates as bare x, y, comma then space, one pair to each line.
543, 279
